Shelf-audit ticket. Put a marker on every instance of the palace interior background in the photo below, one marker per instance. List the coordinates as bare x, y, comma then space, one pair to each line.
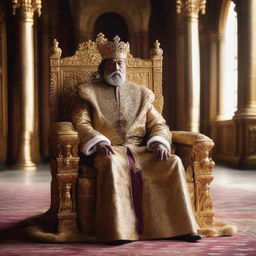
209, 73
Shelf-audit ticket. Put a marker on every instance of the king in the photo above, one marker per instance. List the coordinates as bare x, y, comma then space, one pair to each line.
141, 186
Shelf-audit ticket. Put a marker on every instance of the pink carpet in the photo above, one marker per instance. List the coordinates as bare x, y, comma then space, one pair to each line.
236, 207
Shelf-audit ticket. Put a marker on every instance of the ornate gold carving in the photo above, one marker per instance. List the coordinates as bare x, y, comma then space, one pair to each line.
252, 138
86, 55
64, 167
157, 82
198, 166
27, 8
70, 83
53, 97
156, 52
65, 203
190, 6
137, 62
203, 176
112, 49
141, 78
55, 50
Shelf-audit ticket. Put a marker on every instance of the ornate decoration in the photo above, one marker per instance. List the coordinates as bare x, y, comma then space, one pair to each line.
156, 52
71, 80
252, 138
193, 149
53, 96
203, 176
27, 6
55, 50
86, 55
190, 6
65, 203
121, 126
115, 49
64, 167
137, 62
141, 78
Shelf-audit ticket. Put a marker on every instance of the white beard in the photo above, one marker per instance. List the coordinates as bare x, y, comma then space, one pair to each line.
116, 78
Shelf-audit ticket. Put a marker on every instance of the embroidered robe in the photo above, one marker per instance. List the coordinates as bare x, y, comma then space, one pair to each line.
127, 120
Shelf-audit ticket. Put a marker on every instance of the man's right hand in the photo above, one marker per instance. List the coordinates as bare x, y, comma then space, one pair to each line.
104, 149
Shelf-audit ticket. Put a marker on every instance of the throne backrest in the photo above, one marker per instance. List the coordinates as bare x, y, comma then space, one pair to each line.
67, 73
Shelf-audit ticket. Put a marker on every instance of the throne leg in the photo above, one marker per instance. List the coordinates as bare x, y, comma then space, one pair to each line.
203, 176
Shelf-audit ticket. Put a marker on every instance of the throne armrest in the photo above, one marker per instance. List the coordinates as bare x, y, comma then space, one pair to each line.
192, 143
193, 149
64, 142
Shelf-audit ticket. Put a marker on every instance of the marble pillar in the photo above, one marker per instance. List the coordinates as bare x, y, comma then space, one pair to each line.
245, 116
27, 108
190, 10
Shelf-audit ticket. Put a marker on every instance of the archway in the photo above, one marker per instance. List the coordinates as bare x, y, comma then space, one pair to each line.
111, 24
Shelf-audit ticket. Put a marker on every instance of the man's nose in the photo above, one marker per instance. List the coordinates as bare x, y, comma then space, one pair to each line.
116, 66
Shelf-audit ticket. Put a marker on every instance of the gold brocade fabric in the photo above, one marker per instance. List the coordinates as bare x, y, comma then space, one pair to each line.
166, 206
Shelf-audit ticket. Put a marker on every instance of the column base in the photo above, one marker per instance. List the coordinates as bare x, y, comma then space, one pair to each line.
246, 113
28, 166
235, 142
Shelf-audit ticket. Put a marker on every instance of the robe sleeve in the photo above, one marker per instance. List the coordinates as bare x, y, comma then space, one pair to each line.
157, 130
89, 137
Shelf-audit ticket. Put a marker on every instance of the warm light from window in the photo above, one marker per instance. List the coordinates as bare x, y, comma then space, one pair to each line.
230, 67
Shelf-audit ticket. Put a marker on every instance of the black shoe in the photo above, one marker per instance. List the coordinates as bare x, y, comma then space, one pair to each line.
193, 237
118, 242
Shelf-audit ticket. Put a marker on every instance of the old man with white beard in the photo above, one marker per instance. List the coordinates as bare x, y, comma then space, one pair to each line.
141, 186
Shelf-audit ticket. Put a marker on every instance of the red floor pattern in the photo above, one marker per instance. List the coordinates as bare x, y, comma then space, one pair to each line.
232, 205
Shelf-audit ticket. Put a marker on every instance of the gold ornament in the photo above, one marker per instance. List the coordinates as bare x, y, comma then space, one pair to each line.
112, 50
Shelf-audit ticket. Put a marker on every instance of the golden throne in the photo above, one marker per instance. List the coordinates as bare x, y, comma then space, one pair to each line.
73, 214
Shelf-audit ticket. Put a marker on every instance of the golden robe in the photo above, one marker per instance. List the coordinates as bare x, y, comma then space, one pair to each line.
125, 118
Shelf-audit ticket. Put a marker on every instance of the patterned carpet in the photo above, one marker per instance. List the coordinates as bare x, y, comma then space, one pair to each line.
235, 206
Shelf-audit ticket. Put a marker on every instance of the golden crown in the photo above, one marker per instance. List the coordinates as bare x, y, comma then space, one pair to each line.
110, 50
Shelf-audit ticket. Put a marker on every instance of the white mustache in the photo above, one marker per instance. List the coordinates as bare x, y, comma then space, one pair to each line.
116, 73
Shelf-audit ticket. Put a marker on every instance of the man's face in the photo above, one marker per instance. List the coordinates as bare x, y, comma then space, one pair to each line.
115, 71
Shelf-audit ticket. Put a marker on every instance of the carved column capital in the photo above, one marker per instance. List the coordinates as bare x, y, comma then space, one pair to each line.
190, 8
27, 8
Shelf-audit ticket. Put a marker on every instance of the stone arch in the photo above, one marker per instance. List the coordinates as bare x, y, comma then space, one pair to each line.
95, 14
111, 24
138, 24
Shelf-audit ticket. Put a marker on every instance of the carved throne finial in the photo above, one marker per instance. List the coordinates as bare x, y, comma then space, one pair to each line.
156, 51
55, 50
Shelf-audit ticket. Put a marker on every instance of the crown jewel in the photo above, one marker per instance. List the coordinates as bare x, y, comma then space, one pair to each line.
110, 50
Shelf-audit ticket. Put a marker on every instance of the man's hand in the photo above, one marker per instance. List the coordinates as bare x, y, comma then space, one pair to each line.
161, 152
104, 149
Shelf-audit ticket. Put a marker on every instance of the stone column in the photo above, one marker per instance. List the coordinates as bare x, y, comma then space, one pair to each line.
245, 116
26, 11
3, 88
246, 14
190, 10
179, 61
220, 108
